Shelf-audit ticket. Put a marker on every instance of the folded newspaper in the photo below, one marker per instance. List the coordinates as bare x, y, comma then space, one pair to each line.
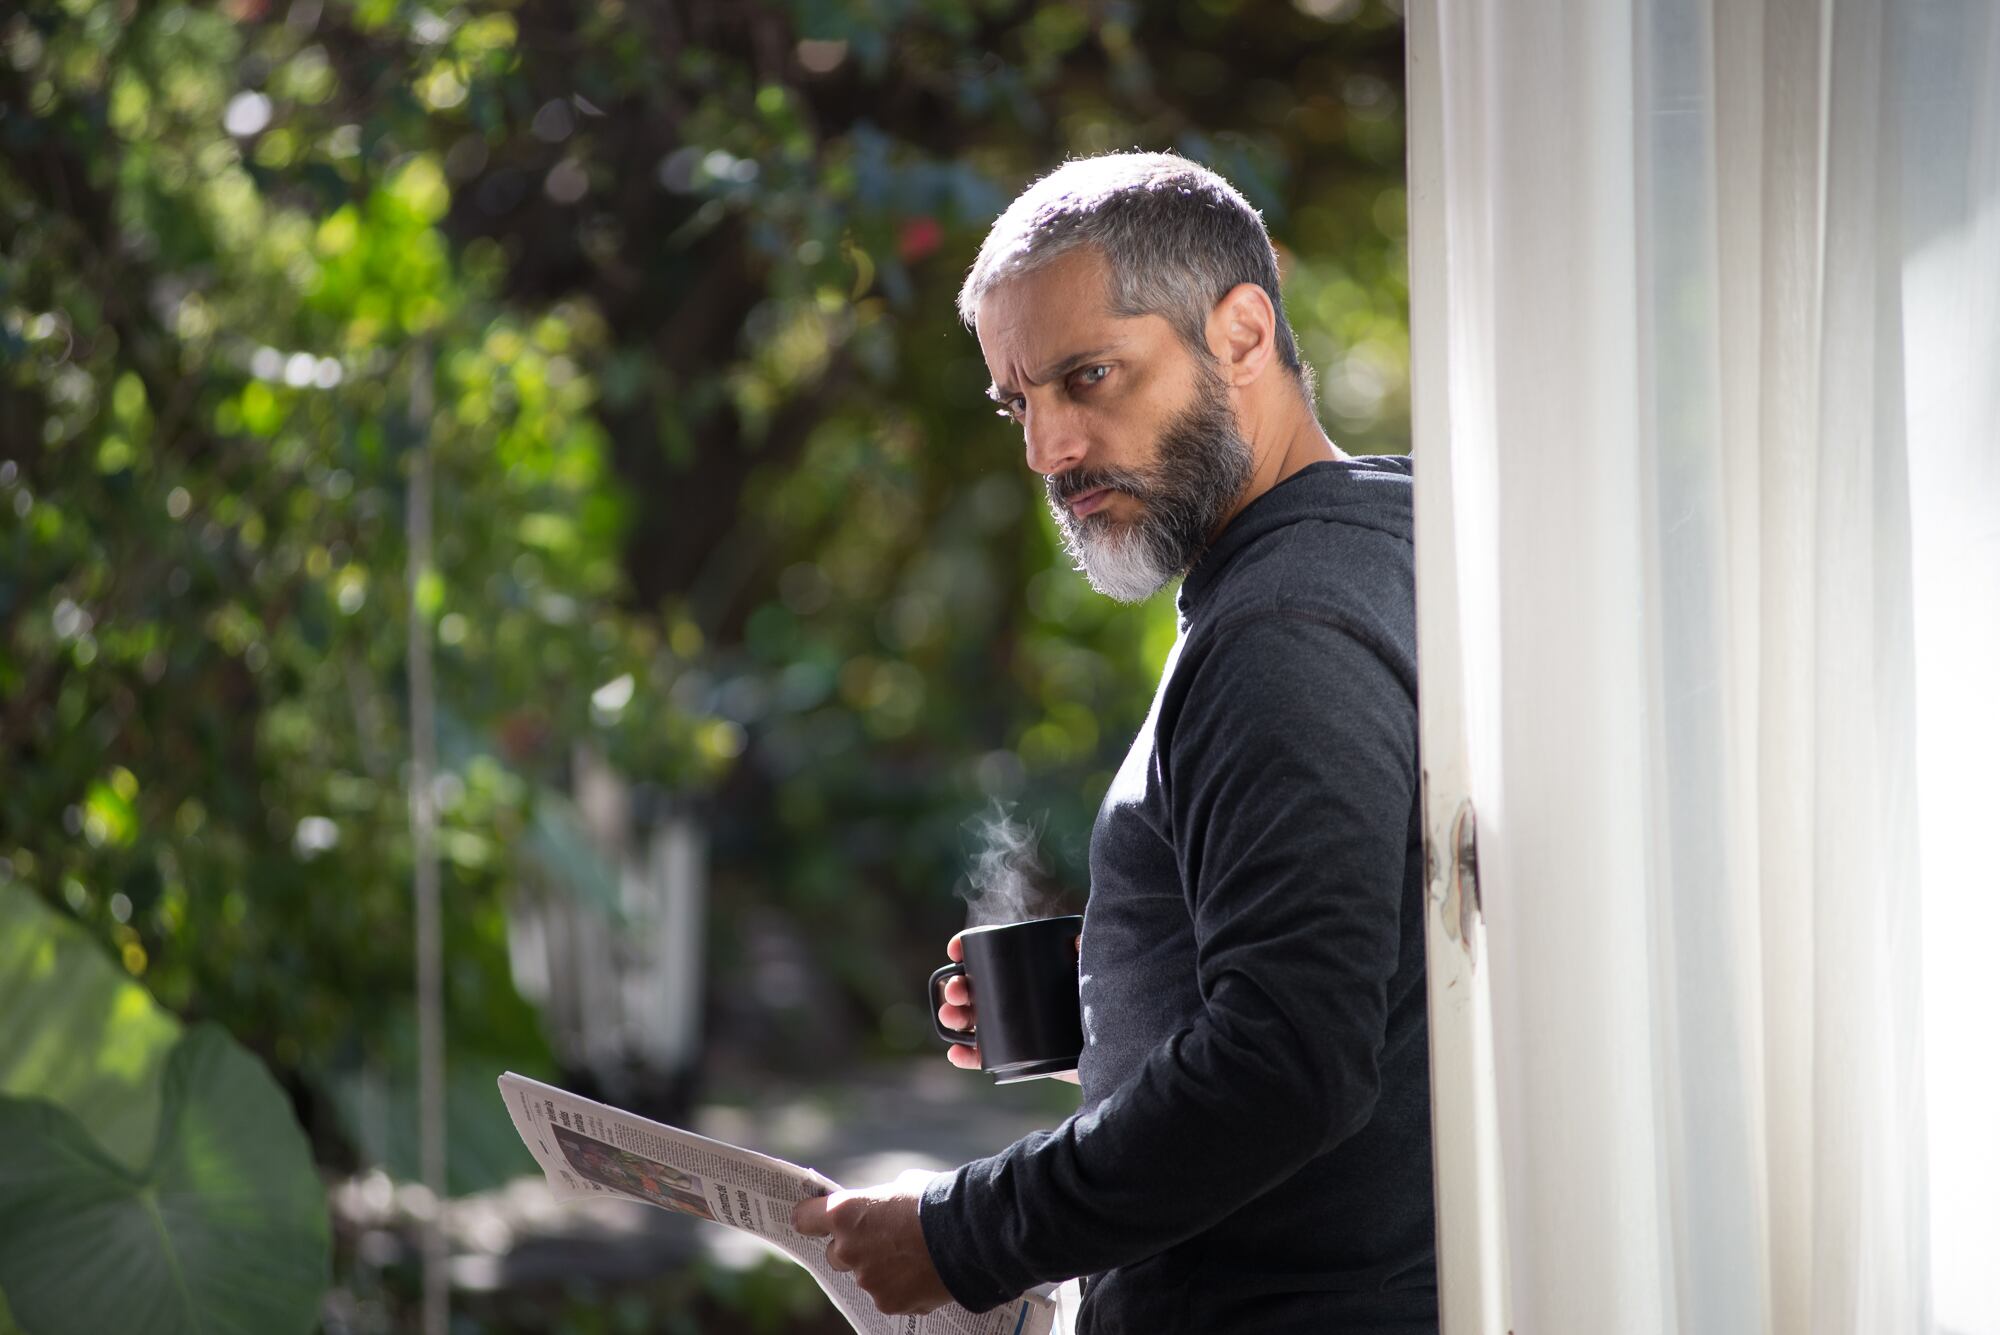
587, 1149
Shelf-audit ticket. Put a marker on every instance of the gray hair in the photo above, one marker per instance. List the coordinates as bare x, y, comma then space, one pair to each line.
1177, 238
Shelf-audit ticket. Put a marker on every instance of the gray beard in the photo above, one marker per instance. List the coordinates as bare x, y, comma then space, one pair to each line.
1201, 466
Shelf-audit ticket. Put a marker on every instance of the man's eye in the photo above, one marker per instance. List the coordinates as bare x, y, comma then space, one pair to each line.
1011, 409
1090, 375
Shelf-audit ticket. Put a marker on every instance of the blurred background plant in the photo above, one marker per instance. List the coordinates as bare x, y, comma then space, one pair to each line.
666, 291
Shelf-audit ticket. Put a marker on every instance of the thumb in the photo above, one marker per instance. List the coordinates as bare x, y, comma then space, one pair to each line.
809, 1217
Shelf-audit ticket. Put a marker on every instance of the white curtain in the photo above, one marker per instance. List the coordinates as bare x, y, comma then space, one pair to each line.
1706, 341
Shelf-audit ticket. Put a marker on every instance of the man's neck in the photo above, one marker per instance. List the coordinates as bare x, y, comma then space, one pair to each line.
1290, 438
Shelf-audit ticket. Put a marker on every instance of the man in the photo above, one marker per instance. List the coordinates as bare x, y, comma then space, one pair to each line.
1253, 1148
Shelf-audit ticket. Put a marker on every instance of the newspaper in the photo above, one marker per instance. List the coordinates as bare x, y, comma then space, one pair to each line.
587, 1149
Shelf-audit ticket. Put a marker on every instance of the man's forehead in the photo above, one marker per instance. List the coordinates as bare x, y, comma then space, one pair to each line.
1035, 350
1035, 332
1072, 287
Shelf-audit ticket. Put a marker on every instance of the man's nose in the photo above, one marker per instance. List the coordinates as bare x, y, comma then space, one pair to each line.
1055, 439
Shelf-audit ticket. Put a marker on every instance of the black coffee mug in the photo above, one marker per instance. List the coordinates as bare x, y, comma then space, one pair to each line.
1024, 986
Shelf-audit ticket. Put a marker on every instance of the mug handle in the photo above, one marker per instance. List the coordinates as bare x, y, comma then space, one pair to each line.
938, 980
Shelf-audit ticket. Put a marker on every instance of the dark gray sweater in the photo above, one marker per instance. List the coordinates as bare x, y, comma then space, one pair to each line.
1253, 1149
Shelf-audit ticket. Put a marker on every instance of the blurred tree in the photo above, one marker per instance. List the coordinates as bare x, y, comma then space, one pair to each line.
718, 491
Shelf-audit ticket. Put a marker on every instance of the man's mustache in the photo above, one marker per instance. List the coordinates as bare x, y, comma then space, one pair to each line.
1066, 487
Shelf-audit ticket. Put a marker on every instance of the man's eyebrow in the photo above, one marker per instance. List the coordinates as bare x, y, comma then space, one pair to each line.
1054, 371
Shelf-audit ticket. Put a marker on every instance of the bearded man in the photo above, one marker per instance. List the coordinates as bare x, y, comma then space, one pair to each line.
1252, 1152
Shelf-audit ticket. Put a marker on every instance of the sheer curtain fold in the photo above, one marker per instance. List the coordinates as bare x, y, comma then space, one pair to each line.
1949, 57
1705, 301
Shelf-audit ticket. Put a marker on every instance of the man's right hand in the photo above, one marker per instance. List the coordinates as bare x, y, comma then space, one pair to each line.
957, 1013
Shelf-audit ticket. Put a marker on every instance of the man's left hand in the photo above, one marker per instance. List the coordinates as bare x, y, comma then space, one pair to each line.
874, 1233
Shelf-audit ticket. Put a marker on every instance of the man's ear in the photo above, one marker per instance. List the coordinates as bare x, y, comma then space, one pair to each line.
1243, 333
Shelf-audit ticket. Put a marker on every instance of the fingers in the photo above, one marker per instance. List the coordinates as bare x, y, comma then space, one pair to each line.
874, 1234
814, 1217
957, 1012
809, 1217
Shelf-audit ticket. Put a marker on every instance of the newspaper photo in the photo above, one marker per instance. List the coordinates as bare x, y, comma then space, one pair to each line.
587, 1149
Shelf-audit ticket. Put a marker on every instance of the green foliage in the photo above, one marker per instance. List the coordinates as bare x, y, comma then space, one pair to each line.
224, 1230
206, 506
151, 1180
771, 1296
378, 1106
77, 1031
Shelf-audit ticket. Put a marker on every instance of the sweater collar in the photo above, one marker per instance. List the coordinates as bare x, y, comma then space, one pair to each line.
1323, 490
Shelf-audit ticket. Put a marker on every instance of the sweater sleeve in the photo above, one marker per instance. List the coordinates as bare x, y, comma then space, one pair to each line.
1289, 771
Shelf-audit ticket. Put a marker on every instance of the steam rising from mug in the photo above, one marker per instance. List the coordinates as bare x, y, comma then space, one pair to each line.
1005, 879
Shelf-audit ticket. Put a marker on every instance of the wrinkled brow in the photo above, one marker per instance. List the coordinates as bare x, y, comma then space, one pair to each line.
1053, 371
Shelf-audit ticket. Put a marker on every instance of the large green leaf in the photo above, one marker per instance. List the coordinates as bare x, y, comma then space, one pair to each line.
223, 1233
76, 1030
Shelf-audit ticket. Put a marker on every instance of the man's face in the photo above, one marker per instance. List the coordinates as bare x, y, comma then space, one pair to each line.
1133, 434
